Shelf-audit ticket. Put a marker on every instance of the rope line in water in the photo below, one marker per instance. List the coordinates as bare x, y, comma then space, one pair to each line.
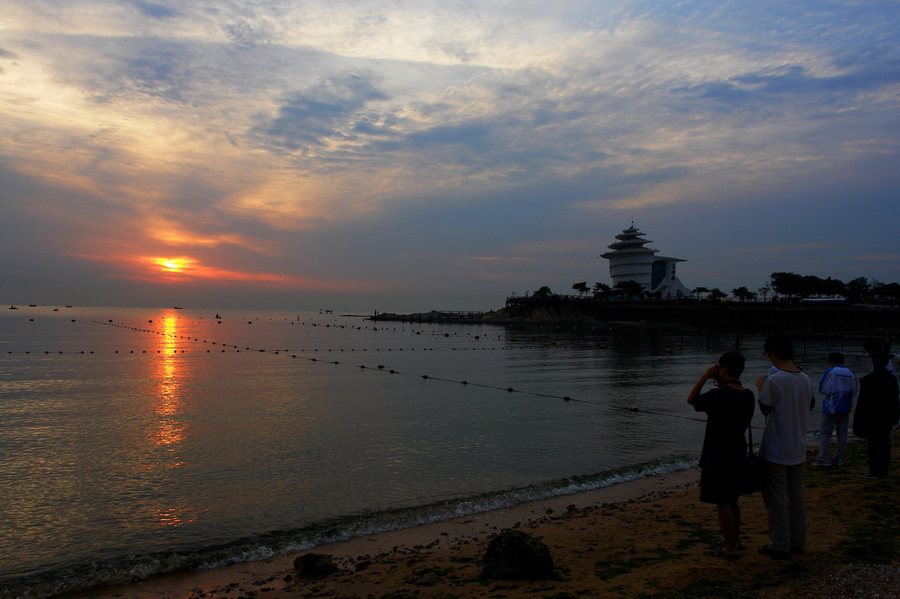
381, 368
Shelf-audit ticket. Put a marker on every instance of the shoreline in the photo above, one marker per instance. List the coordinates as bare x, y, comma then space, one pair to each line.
347, 554
649, 536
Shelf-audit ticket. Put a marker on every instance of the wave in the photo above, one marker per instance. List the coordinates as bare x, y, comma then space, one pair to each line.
131, 568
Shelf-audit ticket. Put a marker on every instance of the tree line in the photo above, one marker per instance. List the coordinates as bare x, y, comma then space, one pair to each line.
781, 285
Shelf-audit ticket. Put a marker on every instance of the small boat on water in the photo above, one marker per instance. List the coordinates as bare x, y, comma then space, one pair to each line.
13, 307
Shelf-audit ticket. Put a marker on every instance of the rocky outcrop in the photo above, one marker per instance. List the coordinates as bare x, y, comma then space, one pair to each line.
514, 555
314, 565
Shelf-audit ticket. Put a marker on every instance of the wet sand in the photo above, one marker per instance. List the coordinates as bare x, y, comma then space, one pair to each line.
649, 537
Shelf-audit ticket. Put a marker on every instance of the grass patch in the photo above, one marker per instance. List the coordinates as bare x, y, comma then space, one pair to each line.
604, 570
874, 535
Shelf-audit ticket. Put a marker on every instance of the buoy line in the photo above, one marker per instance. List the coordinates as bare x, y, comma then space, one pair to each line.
379, 368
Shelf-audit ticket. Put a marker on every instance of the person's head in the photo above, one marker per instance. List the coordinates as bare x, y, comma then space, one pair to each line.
836, 358
879, 360
733, 363
872, 346
780, 345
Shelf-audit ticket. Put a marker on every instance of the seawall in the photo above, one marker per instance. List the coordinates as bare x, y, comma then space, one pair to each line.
684, 314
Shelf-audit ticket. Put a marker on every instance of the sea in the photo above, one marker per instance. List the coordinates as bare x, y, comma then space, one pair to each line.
136, 441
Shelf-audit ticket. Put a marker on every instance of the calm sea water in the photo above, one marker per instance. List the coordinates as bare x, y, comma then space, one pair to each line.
134, 442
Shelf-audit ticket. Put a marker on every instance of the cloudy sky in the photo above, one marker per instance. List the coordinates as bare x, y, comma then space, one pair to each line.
413, 155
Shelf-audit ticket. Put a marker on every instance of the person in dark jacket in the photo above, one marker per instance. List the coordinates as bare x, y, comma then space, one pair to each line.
877, 412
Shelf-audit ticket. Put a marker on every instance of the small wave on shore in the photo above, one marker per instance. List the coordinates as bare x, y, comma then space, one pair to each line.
124, 569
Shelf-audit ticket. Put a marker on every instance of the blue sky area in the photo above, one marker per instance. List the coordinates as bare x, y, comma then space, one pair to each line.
410, 155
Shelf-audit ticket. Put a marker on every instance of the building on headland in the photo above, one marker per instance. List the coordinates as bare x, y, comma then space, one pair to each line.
629, 260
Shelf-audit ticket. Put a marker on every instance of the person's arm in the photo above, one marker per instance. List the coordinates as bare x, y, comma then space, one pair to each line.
763, 408
824, 386
698, 386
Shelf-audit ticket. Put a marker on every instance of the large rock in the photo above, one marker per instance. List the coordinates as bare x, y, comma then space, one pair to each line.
514, 555
314, 565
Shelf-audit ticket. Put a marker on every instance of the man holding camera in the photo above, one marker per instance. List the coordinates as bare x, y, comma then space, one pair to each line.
729, 409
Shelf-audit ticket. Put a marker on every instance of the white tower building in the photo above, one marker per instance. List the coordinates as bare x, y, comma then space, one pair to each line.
629, 260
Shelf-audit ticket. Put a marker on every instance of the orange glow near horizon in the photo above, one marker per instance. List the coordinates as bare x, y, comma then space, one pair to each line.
182, 269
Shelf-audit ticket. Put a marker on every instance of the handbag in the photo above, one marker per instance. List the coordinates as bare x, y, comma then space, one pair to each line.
751, 477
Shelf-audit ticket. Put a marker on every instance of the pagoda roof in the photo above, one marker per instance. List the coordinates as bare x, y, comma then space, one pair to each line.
630, 238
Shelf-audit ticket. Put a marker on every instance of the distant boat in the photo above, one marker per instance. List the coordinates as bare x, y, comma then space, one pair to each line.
13, 307
32, 305
56, 309
219, 317
177, 308
68, 306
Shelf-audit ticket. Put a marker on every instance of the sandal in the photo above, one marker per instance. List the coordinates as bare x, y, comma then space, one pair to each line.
740, 547
721, 553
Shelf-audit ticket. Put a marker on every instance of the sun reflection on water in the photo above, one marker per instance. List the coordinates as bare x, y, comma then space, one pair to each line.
178, 516
169, 430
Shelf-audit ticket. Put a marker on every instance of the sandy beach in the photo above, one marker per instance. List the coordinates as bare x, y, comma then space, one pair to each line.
648, 537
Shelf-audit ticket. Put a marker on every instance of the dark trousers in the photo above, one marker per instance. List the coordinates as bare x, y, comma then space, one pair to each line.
879, 452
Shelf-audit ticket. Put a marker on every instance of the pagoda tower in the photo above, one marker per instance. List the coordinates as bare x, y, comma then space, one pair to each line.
629, 260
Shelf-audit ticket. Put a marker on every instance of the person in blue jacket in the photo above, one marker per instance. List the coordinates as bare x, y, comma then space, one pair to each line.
838, 384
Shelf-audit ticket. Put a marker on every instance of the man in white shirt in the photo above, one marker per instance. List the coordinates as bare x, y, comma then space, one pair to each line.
785, 398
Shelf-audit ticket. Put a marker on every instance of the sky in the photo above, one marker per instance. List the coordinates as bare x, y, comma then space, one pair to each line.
415, 155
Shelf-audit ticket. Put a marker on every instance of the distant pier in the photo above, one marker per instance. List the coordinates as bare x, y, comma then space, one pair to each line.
749, 317
445, 316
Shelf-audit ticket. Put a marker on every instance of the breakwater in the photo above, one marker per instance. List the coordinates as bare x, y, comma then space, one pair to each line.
684, 314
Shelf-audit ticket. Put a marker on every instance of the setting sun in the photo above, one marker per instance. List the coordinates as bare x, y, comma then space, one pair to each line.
179, 266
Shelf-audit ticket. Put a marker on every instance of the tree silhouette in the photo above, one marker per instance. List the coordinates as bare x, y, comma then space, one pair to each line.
717, 294
543, 292
581, 288
743, 294
630, 289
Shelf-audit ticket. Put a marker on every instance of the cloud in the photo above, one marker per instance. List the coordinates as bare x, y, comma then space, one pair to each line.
154, 10
795, 83
458, 144
311, 118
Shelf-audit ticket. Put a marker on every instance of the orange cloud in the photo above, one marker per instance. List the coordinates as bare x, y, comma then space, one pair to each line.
184, 269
